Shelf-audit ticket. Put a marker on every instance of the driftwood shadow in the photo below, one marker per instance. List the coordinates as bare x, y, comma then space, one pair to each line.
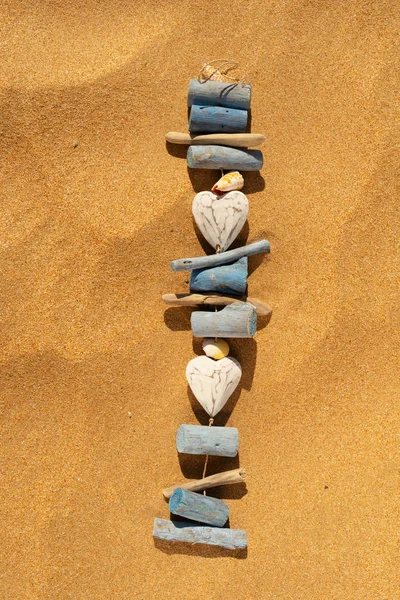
253, 182
255, 261
177, 150
245, 351
192, 465
203, 179
177, 318
249, 120
198, 550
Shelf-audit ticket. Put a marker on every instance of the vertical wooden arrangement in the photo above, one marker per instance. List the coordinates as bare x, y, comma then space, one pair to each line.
222, 280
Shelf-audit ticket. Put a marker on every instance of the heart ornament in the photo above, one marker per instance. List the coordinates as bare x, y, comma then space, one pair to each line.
213, 382
220, 218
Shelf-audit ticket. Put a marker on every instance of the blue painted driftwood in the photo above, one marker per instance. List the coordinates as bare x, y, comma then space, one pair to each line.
227, 279
237, 320
219, 93
223, 258
216, 441
222, 157
217, 119
198, 507
192, 533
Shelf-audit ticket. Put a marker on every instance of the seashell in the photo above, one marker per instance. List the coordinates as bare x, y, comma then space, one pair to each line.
220, 219
209, 72
216, 349
227, 183
213, 382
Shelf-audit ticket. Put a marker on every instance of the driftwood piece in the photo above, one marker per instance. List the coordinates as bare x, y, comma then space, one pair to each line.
238, 140
202, 262
218, 93
237, 320
199, 439
184, 299
213, 382
222, 157
230, 539
217, 119
220, 218
197, 507
225, 279
223, 478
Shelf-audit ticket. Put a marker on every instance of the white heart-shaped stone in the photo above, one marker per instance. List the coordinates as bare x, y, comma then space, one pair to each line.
220, 218
213, 382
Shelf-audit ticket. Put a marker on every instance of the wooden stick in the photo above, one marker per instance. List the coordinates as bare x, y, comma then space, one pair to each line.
201, 262
195, 299
262, 309
224, 478
238, 140
230, 539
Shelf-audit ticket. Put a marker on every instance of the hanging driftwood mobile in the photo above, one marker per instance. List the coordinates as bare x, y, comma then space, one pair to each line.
217, 139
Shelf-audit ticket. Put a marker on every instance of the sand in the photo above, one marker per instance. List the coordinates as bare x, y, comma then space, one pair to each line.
92, 363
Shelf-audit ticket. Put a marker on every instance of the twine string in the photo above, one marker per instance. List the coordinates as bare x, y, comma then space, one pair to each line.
210, 422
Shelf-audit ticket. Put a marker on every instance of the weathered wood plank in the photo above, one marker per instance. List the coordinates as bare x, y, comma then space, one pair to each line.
216, 119
192, 533
227, 279
216, 441
238, 320
216, 93
197, 507
223, 258
223, 478
222, 157
184, 299
238, 140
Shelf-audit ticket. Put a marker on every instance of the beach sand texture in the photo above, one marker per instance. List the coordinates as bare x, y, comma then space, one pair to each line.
93, 364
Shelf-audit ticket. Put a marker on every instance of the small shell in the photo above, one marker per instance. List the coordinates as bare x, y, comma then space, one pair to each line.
227, 183
215, 349
209, 72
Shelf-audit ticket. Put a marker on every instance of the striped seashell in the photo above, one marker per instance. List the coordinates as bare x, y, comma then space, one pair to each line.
229, 182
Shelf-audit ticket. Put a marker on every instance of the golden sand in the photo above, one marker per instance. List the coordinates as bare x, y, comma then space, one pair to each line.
92, 363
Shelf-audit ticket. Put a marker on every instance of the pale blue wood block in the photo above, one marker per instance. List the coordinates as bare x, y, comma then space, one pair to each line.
223, 258
219, 93
198, 507
223, 157
224, 279
216, 441
237, 320
192, 533
217, 119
